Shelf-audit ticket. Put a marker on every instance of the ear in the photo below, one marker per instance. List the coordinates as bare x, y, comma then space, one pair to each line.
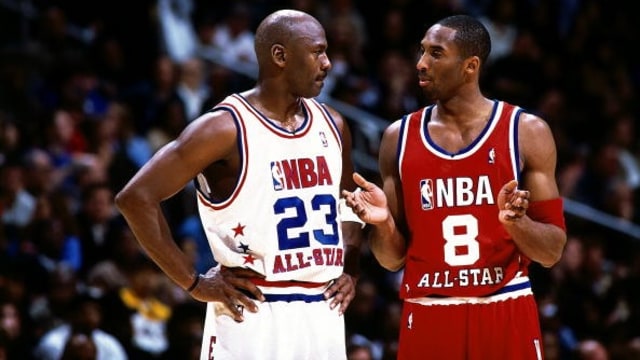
472, 65
278, 54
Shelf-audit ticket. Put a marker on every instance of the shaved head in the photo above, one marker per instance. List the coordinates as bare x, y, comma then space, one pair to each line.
279, 28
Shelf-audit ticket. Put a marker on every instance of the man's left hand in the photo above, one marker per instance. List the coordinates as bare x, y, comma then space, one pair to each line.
341, 292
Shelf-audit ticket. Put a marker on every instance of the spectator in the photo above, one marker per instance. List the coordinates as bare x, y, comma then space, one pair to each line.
192, 88
18, 205
184, 332
80, 346
97, 220
136, 316
233, 36
85, 317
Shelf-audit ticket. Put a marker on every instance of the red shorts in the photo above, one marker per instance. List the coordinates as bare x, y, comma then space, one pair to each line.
497, 327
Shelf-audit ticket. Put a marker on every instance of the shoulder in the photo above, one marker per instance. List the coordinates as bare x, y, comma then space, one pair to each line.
218, 122
104, 337
533, 126
535, 140
108, 344
392, 131
332, 111
337, 118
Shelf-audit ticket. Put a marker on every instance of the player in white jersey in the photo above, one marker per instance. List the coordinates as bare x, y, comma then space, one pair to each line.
270, 163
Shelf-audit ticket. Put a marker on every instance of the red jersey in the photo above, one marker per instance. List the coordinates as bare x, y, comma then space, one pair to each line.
457, 245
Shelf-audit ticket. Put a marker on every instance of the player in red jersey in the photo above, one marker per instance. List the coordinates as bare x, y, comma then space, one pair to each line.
453, 211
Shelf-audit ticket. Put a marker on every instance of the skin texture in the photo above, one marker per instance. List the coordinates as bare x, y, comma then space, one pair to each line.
449, 75
291, 52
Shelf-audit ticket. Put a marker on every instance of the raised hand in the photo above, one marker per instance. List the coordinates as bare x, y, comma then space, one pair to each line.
368, 201
512, 202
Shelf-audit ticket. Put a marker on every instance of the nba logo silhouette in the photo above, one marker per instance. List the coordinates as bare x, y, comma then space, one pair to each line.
492, 156
277, 176
323, 138
426, 194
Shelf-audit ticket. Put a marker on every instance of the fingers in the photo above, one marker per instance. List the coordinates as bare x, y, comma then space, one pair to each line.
341, 292
240, 279
519, 200
362, 182
517, 204
231, 289
510, 187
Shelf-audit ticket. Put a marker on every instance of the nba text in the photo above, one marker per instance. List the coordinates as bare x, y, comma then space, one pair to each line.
460, 191
300, 173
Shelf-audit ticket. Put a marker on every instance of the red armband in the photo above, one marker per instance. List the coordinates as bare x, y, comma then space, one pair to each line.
548, 211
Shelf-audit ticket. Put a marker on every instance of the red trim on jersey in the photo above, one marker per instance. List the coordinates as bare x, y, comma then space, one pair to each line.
284, 284
245, 157
272, 126
329, 119
548, 211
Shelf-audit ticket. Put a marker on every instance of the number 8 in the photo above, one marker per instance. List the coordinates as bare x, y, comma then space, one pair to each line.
467, 239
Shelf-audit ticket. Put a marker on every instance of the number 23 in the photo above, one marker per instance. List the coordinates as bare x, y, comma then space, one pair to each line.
321, 203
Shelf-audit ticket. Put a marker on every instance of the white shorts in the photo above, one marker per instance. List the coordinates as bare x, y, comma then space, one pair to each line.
295, 323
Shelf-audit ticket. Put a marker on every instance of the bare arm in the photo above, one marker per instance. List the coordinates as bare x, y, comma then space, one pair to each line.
540, 242
387, 241
206, 140
383, 208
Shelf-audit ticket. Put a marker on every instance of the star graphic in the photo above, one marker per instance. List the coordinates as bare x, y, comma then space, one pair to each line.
244, 247
238, 230
248, 259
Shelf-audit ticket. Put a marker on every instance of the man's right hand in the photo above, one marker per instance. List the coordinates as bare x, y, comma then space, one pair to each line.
227, 287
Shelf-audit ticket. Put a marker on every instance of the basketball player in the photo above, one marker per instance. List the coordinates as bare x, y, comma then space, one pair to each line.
269, 164
453, 212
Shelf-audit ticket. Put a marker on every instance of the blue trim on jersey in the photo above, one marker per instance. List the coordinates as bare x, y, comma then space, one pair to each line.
332, 122
467, 148
401, 141
504, 290
277, 125
516, 121
240, 144
514, 287
294, 297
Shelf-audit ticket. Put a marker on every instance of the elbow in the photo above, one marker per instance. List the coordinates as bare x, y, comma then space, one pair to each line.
555, 255
550, 262
124, 200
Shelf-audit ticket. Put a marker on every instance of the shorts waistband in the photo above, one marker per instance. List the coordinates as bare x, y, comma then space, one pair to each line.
290, 291
517, 287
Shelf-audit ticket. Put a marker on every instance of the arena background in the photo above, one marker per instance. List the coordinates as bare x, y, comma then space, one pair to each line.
89, 90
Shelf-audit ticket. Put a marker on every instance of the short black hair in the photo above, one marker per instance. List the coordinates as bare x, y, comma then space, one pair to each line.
471, 36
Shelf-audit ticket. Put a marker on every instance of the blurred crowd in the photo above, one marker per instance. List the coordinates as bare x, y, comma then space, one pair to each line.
90, 90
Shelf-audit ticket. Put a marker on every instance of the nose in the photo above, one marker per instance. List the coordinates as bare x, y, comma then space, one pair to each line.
325, 63
421, 64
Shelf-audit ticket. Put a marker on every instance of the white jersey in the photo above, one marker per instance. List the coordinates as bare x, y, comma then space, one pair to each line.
282, 218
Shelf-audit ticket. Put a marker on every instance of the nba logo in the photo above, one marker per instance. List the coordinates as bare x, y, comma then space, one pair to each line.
426, 194
276, 176
492, 156
323, 138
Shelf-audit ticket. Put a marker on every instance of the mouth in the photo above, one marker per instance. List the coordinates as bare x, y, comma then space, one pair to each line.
424, 81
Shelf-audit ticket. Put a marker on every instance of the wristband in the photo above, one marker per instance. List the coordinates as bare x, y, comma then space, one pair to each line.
548, 211
194, 284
